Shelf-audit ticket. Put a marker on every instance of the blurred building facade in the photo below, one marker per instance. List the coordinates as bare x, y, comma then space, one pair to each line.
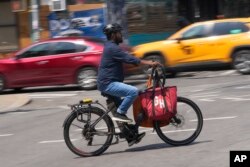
17, 26
150, 20
143, 20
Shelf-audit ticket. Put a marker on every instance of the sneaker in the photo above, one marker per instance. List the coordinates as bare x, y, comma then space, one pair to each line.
121, 117
137, 139
131, 142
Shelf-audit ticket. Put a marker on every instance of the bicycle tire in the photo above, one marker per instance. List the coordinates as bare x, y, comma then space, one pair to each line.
94, 111
199, 119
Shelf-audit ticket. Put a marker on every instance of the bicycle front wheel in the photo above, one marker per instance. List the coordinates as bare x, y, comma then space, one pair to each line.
84, 140
185, 127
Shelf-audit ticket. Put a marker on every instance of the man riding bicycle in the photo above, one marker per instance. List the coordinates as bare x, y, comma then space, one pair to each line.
110, 72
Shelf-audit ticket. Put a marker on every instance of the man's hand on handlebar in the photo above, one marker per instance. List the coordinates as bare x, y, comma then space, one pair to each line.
151, 63
156, 63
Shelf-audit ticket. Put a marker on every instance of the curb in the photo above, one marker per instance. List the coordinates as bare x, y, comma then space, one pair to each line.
9, 103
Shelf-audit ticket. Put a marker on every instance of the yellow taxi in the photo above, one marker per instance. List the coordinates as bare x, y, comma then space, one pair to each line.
203, 44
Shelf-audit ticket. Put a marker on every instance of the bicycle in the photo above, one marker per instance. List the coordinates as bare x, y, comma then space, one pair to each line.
97, 129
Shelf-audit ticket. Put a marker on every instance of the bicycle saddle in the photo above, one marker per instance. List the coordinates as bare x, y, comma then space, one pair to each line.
106, 95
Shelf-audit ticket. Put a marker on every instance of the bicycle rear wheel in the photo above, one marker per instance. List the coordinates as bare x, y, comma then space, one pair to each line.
83, 140
185, 128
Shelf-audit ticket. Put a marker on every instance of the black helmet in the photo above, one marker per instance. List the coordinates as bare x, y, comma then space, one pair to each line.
111, 28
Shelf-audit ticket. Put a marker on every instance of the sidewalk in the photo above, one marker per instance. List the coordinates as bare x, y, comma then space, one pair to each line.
12, 102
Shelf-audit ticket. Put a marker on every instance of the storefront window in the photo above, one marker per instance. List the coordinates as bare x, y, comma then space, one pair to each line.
8, 30
151, 15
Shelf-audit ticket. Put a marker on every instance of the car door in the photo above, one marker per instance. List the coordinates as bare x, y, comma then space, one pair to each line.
31, 66
226, 36
66, 57
193, 45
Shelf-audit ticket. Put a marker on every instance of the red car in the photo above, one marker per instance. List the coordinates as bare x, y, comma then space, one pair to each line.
58, 61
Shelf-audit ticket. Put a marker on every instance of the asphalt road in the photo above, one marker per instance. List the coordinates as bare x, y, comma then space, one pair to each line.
33, 135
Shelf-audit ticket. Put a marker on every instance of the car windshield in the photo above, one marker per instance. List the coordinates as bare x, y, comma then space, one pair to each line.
197, 31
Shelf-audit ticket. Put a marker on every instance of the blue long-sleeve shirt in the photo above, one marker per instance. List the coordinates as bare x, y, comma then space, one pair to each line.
111, 66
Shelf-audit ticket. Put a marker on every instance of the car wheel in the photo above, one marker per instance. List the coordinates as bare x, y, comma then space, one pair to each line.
86, 78
241, 61
2, 83
162, 61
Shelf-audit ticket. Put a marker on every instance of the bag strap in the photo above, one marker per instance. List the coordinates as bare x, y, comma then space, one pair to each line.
153, 91
163, 76
164, 98
162, 85
157, 82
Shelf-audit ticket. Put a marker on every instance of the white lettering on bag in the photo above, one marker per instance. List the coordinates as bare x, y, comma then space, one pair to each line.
159, 102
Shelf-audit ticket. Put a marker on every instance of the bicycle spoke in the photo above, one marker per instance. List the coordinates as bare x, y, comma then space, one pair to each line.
77, 126
85, 140
181, 130
100, 133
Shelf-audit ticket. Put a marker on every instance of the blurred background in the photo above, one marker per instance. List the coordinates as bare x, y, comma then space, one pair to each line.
50, 47
25, 21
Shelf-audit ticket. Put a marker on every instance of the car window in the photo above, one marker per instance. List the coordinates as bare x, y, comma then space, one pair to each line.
195, 32
80, 48
226, 28
36, 51
64, 47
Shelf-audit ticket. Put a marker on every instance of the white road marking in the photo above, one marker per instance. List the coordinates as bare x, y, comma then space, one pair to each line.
197, 90
195, 96
44, 96
175, 131
51, 141
5, 135
216, 118
54, 141
209, 100
99, 128
227, 72
64, 107
235, 98
243, 87
205, 93
144, 129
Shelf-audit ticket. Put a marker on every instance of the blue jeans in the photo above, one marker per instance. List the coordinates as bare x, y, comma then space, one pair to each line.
118, 90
